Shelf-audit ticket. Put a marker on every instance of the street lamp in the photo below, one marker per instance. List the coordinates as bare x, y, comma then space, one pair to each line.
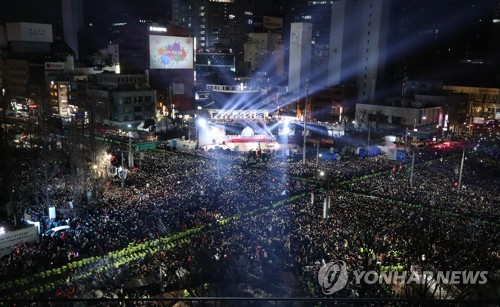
305, 120
326, 202
461, 169
201, 122
317, 153
130, 155
412, 165
369, 132
406, 138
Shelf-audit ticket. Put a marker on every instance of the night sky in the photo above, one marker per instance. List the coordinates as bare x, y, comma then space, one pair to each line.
49, 10
30, 11
448, 19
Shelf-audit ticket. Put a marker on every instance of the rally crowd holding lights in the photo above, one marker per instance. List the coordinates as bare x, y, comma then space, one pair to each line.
211, 224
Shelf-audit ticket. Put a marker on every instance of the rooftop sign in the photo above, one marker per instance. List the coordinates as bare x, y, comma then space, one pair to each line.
157, 29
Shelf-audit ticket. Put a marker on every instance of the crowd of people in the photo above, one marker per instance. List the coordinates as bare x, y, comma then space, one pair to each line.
258, 220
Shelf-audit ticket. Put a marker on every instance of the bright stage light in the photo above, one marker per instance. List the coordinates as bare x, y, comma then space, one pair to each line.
202, 122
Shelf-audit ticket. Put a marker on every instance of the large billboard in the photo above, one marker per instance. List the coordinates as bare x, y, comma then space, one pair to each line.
29, 32
55, 65
170, 52
478, 120
9, 239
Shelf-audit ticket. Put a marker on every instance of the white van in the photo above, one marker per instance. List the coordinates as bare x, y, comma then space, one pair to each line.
56, 230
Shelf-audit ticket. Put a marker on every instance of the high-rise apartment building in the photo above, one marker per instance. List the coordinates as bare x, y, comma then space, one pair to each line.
72, 12
166, 53
317, 13
495, 38
264, 53
362, 60
444, 40
215, 23
103, 20
299, 68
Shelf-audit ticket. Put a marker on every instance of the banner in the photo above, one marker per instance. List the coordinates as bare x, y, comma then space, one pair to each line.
478, 120
9, 239
52, 212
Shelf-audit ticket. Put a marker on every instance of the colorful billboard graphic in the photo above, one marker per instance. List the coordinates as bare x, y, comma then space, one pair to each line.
170, 52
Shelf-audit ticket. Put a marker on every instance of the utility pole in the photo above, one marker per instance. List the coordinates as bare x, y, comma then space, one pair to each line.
130, 155
369, 131
406, 138
305, 116
461, 169
218, 172
317, 154
411, 172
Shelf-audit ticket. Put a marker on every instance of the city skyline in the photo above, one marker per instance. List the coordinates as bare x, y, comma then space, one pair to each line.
426, 39
46, 11
138, 168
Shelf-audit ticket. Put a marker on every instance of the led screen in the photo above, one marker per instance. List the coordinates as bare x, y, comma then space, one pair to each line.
170, 52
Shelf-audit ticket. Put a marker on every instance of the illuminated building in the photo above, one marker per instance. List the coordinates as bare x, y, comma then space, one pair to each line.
299, 68
264, 52
150, 47
215, 23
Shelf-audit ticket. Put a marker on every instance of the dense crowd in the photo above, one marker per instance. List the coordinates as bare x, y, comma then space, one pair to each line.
270, 223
